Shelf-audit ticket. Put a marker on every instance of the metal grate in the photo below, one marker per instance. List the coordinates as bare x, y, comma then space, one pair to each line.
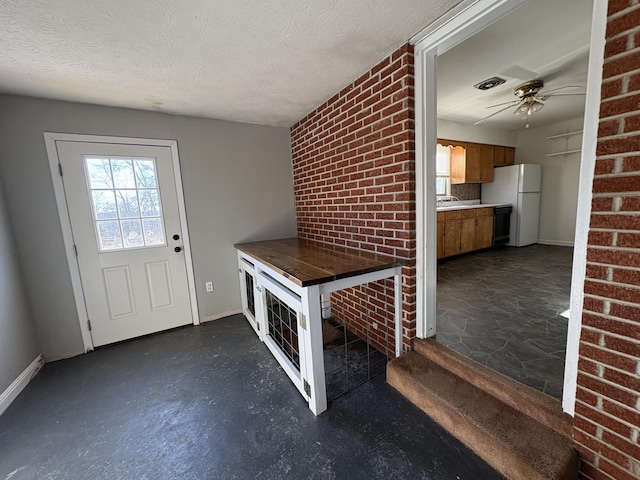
283, 328
248, 282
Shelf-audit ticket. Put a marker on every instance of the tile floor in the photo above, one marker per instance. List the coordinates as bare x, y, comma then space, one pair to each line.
501, 307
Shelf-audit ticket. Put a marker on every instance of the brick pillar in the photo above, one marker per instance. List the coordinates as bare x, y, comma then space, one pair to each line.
607, 419
354, 184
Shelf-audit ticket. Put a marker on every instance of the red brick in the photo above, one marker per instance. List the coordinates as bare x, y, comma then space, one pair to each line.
631, 164
608, 290
602, 204
606, 129
611, 88
632, 124
627, 347
629, 240
593, 304
615, 46
625, 311
609, 325
634, 80
600, 238
630, 204
607, 165
616, 222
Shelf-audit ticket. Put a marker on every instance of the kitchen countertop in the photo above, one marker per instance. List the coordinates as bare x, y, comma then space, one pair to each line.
466, 207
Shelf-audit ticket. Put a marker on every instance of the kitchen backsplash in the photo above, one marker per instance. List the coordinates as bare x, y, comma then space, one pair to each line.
466, 191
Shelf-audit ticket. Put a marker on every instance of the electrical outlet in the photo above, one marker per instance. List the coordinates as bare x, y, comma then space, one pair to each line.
209, 286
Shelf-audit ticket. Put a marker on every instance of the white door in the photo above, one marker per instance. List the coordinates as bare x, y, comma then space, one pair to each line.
125, 220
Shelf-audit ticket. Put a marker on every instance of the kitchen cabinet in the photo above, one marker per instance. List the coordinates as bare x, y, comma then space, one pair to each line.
484, 228
469, 165
440, 234
464, 230
503, 156
452, 229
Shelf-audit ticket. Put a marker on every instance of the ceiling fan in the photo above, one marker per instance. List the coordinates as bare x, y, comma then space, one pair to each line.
530, 99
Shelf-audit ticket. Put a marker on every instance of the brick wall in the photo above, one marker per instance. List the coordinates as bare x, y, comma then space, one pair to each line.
353, 167
607, 420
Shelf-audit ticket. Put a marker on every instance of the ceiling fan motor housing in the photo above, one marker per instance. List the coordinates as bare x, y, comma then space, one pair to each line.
528, 89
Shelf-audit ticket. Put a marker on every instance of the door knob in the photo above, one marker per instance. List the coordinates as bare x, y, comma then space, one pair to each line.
176, 237
177, 249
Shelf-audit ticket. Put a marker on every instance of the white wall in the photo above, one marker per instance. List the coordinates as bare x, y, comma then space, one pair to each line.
560, 178
475, 133
238, 186
18, 344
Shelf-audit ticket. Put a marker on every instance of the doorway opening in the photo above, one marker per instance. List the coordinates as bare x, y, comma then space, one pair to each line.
504, 306
467, 20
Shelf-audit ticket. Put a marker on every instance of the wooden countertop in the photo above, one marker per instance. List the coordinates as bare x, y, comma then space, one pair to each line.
306, 262
467, 207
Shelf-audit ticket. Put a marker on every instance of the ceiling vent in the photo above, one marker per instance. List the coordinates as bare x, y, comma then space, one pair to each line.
489, 83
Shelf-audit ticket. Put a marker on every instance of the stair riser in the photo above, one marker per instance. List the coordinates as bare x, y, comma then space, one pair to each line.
477, 377
483, 445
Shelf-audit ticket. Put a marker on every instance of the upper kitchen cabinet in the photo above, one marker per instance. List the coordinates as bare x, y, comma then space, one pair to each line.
473, 164
503, 156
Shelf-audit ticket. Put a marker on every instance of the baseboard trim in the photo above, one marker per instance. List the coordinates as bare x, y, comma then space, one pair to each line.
218, 316
558, 243
13, 390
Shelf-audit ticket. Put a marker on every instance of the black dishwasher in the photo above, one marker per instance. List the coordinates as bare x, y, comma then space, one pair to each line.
501, 223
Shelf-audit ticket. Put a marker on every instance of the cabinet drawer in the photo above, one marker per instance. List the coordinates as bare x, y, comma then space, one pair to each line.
452, 215
484, 212
440, 216
470, 213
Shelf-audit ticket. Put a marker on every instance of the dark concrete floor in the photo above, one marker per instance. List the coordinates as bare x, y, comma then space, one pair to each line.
210, 402
501, 307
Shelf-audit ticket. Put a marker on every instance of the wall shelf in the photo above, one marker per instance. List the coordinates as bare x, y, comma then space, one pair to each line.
563, 135
568, 152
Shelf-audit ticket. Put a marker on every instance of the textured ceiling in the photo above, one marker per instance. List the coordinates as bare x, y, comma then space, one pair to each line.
547, 39
244, 60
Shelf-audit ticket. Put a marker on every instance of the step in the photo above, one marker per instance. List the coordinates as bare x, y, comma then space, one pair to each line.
513, 443
543, 408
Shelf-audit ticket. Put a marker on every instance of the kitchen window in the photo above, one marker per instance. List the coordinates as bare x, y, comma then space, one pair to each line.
443, 171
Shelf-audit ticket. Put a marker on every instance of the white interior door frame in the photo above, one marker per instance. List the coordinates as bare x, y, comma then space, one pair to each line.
50, 139
460, 23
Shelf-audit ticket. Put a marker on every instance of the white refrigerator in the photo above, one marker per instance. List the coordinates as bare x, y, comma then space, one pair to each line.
518, 185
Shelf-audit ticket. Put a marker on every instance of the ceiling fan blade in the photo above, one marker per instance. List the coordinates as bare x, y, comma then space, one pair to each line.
562, 95
512, 102
493, 114
561, 88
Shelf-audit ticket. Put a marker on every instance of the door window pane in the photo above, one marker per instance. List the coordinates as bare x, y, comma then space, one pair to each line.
99, 173
122, 173
153, 232
125, 202
132, 233
109, 235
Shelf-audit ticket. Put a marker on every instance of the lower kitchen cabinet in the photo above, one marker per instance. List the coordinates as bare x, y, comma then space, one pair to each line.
465, 230
484, 230
440, 234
